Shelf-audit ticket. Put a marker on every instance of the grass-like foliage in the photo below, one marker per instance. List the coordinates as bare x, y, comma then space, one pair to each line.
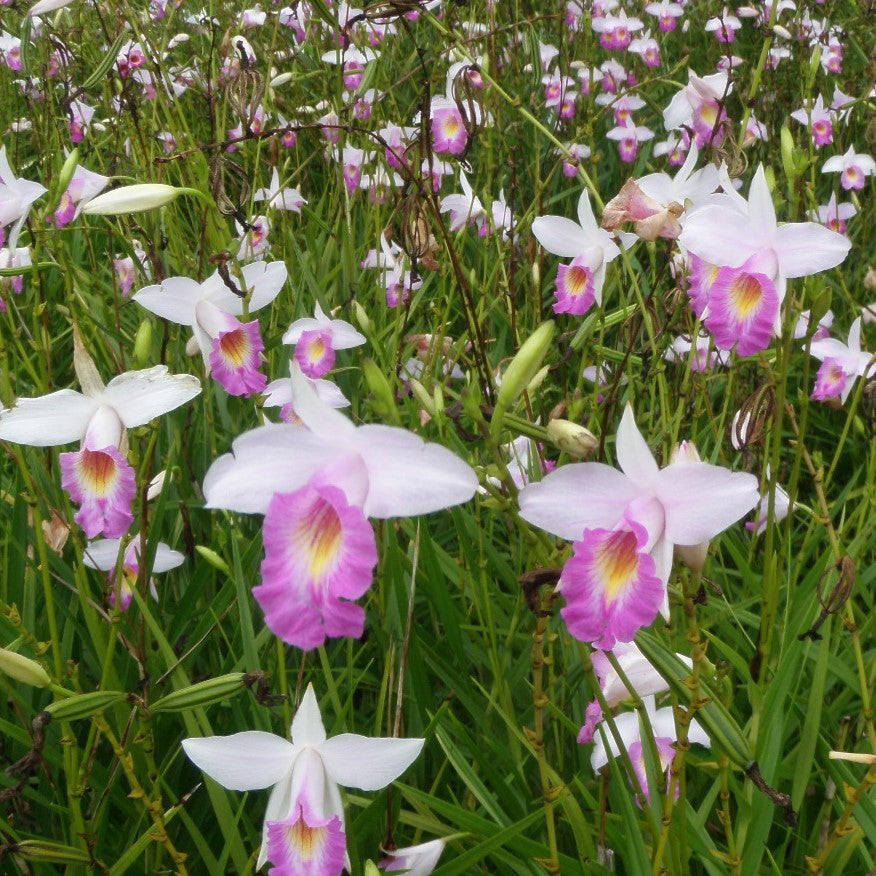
504, 532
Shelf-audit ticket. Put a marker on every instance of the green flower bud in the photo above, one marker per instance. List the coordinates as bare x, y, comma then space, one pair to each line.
572, 438
23, 669
143, 343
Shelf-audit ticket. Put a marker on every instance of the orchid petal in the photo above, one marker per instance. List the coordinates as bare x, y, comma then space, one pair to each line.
408, 476
370, 764
57, 418
761, 211
264, 279
576, 497
806, 248
307, 726
278, 458
174, 299
702, 500
585, 214
561, 236
315, 413
102, 554
166, 559
719, 235
633, 453
141, 396
243, 761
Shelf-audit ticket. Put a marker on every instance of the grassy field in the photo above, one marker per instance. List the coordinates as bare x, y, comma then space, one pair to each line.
426, 209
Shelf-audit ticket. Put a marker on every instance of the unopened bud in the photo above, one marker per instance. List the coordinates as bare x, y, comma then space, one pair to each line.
213, 559
143, 343
51, 853
787, 151
204, 693
575, 440
66, 174
135, 199
23, 669
383, 398
362, 318
685, 452
84, 705
526, 364
423, 397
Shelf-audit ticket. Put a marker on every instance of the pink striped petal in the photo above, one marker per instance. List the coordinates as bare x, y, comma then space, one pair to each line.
102, 482
319, 552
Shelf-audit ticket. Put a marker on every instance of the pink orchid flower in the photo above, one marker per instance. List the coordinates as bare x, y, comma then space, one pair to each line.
579, 284
98, 476
624, 525
317, 338
753, 257
317, 483
231, 349
841, 365
853, 167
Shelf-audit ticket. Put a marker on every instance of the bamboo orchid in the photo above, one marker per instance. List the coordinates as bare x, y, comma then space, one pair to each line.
231, 349
98, 476
317, 484
591, 248
303, 832
624, 525
751, 258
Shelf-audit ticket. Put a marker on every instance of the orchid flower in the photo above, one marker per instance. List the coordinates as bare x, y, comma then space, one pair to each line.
781, 509
303, 832
317, 338
819, 119
418, 860
661, 722
699, 106
590, 247
656, 202
834, 215
854, 168
316, 484
624, 525
465, 208
16, 198
280, 199
84, 185
98, 476
104, 555
754, 256
841, 364
230, 349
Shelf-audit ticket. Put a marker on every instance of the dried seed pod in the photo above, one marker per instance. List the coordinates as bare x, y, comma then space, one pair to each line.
416, 236
753, 417
467, 98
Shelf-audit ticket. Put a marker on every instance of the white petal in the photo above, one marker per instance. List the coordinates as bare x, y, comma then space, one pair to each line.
761, 211
370, 764
271, 459
102, 554
174, 299
561, 236
315, 413
305, 324
57, 418
141, 396
307, 726
244, 761
584, 495
408, 476
806, 248
633, 453
265, 279
719, 235
702, 500
585, 214
166, 559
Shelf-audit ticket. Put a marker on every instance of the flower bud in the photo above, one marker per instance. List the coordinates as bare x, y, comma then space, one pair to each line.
51, 853
44, 6
787, 151
572, 438
204, 693
23, 669
134, 199
525, 365
361, 317
84, 705
383, 398
143, 343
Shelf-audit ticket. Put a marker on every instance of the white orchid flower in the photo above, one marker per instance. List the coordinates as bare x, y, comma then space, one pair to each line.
303, 830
